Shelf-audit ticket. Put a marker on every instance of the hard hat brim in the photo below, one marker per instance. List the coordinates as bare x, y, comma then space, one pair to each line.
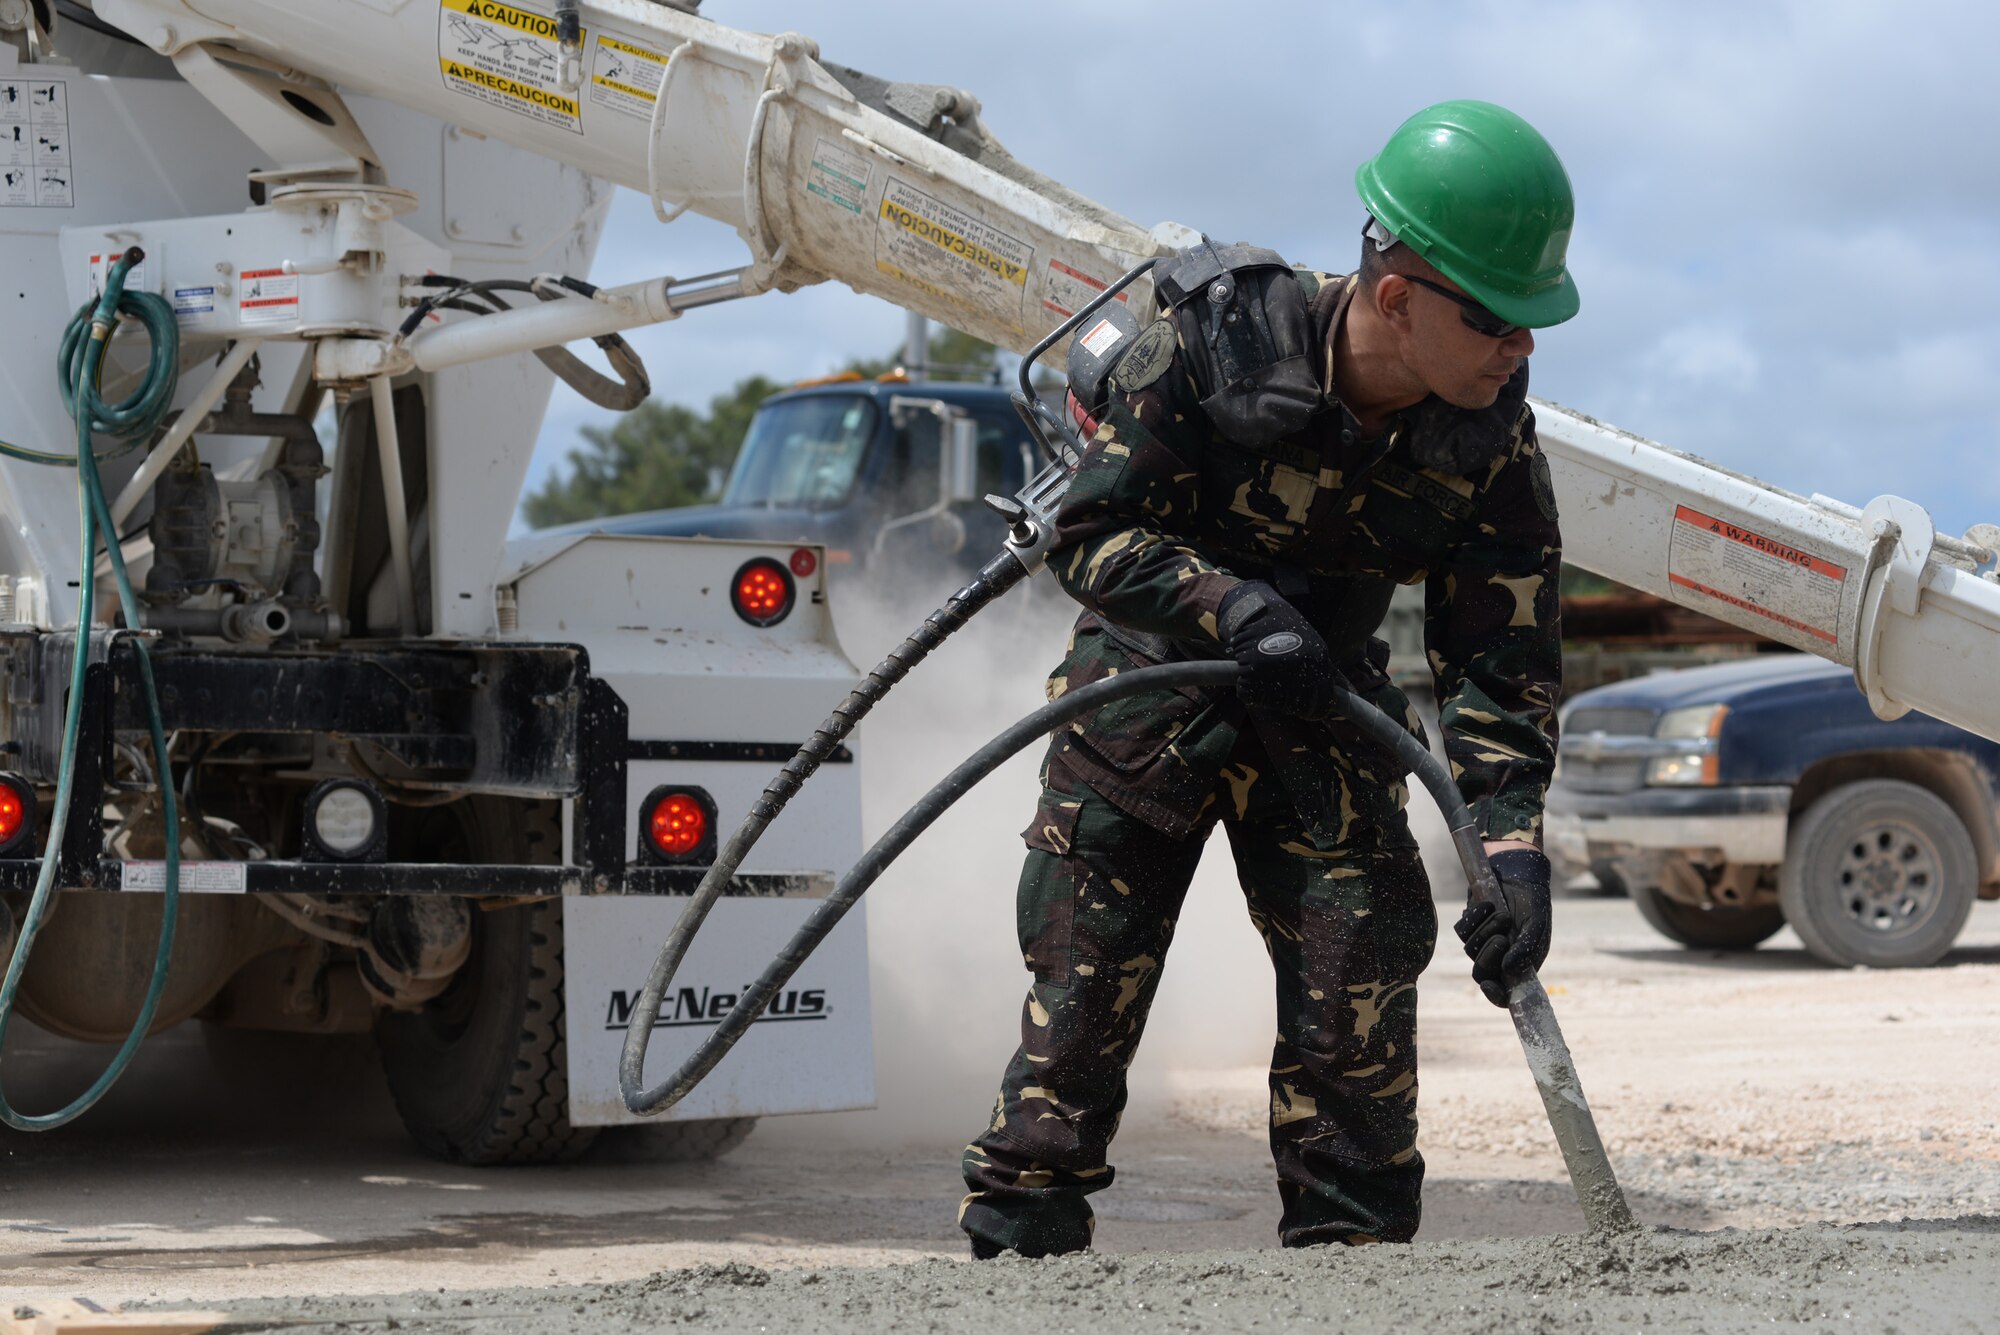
1550, 306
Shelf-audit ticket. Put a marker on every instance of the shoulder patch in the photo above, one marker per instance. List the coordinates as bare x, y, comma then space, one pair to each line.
1545, 485
1147, 359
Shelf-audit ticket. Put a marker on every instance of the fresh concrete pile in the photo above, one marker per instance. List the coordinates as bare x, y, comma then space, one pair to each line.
1933, 1276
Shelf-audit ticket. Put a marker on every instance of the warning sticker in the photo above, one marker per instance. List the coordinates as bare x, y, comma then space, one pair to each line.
199, 878
1101, 337
1067, 291
1758, 574
267, 296
34, 145
507, 57
927, 242
837, 175
626, 77
100, 270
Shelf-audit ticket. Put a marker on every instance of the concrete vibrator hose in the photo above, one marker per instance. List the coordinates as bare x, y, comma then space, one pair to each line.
1597, 1190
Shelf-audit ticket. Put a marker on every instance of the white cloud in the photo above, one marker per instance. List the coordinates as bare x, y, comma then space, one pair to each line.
1705, 358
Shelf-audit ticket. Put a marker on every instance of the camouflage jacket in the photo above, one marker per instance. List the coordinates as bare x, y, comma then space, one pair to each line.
1164, 516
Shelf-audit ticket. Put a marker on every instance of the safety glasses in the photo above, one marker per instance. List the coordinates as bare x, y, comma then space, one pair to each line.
1477, 318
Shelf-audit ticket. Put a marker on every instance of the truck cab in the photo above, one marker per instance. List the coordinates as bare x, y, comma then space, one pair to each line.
880, 472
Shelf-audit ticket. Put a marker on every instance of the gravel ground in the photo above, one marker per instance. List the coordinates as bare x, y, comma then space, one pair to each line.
1855, 1277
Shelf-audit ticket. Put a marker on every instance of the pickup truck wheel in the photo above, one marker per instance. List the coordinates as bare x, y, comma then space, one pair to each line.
1879, 872
1723, 927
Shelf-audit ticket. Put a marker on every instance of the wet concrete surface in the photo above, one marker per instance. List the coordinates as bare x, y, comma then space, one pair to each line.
1796, 1094
1933, 1276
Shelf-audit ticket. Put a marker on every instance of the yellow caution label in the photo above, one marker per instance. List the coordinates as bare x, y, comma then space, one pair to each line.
507, 16
925, 242
625, 77
629, 48
507, 56
506, 87
928, 228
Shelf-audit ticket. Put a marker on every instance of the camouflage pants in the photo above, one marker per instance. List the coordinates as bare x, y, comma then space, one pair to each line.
1348, 931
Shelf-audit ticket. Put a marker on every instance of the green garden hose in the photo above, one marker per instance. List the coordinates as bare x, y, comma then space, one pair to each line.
129, 422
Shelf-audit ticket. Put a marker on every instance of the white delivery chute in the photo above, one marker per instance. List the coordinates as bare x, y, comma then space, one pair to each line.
1877, 590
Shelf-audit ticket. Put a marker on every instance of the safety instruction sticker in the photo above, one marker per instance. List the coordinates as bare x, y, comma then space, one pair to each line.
507, 57
193, 305
34, 145
1101, 338
626, 77
926, 242
136, 278
1065, 290
838, 176
200, 878
267, 296
1756, 573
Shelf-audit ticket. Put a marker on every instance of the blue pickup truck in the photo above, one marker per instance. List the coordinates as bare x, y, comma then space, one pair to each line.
1734, 799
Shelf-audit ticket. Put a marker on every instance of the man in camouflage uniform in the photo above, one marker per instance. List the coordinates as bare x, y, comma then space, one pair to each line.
1416, 462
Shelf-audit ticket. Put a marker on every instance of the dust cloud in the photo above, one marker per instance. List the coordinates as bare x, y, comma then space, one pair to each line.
946, 972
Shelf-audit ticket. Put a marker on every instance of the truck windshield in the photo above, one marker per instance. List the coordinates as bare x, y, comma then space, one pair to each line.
802, 453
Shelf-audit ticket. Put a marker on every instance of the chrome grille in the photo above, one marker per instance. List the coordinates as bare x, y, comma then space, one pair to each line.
1606, 774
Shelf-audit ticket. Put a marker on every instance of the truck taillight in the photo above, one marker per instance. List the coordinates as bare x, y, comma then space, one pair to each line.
763, 592
678, 824
804, 563
17, 817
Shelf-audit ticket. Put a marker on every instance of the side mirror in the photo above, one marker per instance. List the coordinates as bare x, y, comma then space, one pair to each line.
958, 461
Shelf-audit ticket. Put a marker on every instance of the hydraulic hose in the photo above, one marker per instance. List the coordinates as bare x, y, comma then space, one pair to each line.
132, 420
997, 576
1069, 707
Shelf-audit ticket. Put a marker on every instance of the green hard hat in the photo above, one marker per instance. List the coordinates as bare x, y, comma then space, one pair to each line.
1478, 193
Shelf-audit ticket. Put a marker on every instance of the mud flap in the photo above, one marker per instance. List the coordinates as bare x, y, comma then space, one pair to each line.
812, 1051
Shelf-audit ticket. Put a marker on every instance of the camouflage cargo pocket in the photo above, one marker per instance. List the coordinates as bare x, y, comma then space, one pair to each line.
1126, 735
1045, 904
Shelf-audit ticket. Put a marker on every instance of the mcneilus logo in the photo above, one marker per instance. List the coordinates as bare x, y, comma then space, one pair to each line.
694, 1007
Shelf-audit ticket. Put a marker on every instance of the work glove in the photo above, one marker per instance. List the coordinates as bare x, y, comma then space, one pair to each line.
1504, 943
1285, 663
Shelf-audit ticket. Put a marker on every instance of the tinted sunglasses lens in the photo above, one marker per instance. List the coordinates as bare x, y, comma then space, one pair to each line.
1482, 321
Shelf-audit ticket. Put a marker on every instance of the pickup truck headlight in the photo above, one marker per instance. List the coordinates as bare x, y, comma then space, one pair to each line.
1692, 759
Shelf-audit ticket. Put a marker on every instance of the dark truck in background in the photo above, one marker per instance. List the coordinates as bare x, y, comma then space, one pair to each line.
887, 473
1733, 799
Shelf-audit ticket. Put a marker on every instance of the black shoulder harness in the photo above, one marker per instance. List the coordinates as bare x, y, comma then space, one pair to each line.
1247, 335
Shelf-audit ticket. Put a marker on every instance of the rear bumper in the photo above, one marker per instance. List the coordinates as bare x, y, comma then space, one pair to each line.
1734, 824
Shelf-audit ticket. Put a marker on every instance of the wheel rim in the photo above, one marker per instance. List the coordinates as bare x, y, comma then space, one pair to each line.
1889, 878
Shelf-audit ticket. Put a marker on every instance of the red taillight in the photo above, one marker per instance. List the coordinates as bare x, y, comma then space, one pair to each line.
680, 824
17, 816
763, 592
804, 563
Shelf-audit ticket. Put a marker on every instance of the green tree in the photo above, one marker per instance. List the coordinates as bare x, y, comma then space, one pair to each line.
658, 456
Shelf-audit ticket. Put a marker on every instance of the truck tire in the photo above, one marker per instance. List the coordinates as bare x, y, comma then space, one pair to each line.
694, 1141
1880, 873
1725, 927
481, 1074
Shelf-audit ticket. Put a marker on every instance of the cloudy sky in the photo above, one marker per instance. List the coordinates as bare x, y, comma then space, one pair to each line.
1788, 214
